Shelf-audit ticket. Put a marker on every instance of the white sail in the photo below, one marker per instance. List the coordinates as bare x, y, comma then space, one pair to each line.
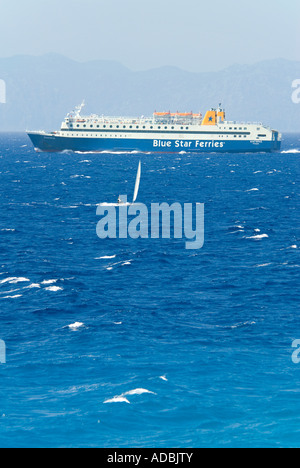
137, 183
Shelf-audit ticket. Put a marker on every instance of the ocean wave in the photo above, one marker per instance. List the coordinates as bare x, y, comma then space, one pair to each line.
117, 399
14, 280
12, 297
241, 325
107, 257
258, 237
137, 391
53, 288
291, 151
114, 204
80, 176
10, 292
52, 281
122, 398
75, 326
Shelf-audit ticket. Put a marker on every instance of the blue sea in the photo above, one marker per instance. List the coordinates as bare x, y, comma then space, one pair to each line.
142, 343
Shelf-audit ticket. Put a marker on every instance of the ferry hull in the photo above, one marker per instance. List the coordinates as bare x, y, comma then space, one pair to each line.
54, 143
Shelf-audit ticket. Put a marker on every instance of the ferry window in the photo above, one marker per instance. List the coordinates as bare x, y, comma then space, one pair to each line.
166, 128
181, 128
98, 126
235, 128
111, 126
124, 126
104, 126
130, 126
172, 128
92, 126
151, 127
230, 128
118, 126
187, 128
78, 126
84, 126
159, 127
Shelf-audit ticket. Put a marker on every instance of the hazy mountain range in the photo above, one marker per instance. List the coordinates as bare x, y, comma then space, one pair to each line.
40, 91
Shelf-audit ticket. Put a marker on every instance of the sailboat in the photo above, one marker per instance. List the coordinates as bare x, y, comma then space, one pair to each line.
135, 193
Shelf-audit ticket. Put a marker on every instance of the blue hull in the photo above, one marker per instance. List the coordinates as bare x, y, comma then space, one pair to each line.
49, 143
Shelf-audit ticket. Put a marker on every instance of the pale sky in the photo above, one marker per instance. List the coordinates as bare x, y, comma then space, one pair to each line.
194, 35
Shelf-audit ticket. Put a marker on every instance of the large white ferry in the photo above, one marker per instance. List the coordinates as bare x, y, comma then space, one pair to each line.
163, 132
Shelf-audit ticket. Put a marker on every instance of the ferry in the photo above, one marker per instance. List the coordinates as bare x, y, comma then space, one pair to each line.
163, 132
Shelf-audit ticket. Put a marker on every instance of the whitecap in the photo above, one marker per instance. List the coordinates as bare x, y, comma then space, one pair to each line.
12, 297
9, 292
50, 281
76, 325
53, 288
122, 398
163, 377
33, 285
117, 399
114, 204
292, 151
137, 391
14, 280
258, 237
239, 325
253, 190
107, 257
